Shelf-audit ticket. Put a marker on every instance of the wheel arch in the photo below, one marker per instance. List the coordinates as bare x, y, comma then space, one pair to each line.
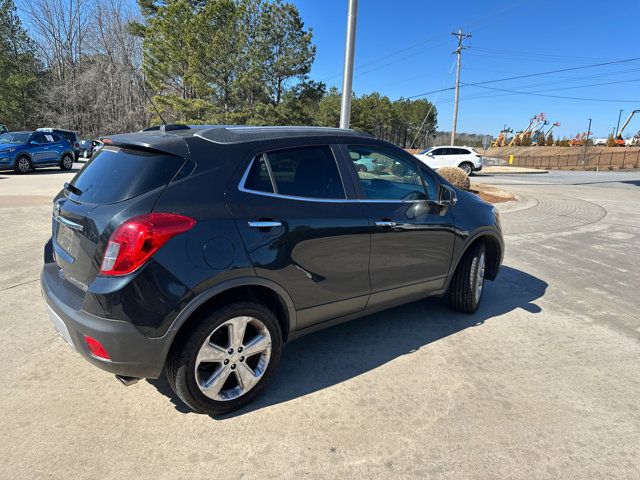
494, 251
24, 153
266, 291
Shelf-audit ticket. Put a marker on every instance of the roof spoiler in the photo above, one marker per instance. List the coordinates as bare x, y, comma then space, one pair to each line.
171, 144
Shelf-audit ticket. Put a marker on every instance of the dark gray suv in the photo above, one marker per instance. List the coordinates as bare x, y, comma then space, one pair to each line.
199, 252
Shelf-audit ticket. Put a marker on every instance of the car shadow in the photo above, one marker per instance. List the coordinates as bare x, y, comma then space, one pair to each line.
342, 352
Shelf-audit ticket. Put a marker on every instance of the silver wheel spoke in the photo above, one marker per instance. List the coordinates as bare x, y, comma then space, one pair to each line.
211, 353
258, 344
212, 386
246, 378
237, 327
231, 360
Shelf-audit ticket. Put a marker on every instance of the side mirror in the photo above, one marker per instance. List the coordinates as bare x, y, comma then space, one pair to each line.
447, 197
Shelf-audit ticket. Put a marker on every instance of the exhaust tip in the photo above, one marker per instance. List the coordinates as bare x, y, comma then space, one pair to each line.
127, 381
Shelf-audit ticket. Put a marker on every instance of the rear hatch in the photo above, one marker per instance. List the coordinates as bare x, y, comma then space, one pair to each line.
116, 184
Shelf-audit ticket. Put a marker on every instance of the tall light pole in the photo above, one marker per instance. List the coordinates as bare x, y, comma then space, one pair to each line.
347, 78
618, 126
461, 36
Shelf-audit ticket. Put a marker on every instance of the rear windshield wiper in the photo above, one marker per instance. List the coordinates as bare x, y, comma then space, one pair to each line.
72, 189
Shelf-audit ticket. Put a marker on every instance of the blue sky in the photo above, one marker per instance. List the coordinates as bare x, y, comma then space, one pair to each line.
403, 48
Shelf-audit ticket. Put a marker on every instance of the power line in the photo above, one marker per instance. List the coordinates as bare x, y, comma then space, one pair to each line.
551, 96
517, 77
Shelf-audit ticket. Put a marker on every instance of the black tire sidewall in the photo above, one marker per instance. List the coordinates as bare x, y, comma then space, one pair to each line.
463, 284
181, 366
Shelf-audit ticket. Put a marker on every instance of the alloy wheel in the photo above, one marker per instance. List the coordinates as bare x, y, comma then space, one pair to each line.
233, 358
67, 162
24, 165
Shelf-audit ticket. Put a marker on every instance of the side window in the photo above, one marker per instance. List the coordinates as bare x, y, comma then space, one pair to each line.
301, 172
460, 151
438, 151
258, 177
38, 139
391, 178
430, 184
49, 138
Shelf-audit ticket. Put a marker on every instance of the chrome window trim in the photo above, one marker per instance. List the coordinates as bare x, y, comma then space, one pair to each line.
242, 188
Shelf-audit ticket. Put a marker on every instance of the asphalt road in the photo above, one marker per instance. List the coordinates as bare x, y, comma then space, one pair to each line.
542, 382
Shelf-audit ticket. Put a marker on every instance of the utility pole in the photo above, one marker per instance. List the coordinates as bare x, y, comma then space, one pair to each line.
618, 126
588, 133
347, 79
461, 36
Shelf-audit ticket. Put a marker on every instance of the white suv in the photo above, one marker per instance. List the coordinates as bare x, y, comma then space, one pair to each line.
464, 157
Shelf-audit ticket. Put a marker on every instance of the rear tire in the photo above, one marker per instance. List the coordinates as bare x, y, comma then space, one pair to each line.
467, 284
67, 162
207, 369
23, 165
467, 167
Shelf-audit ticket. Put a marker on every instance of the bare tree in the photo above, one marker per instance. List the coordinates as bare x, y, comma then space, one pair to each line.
92, 63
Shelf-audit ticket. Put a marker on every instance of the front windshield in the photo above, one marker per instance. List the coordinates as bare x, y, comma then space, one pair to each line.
14, 137
425, 151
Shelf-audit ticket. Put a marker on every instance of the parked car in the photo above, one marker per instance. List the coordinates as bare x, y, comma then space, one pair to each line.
24, 151
3, 128
69, 135
464, 157
87, 148
364, 164
200, 253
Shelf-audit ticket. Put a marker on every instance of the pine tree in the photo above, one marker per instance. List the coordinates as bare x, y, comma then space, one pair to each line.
19, 70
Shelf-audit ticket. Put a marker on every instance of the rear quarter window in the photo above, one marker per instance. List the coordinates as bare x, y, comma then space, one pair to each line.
116, 174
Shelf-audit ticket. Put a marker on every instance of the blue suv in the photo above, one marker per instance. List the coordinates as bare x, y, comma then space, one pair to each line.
24, 151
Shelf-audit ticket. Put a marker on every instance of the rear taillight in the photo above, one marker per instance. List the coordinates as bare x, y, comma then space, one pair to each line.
134, 241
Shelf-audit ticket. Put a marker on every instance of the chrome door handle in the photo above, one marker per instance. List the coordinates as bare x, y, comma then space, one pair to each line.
385, 223
265, 224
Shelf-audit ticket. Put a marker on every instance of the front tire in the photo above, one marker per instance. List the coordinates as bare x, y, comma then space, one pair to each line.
67, 162
227, 359
23, 165
467, 284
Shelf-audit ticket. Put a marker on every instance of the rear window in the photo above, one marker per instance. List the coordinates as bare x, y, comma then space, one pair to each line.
116, 174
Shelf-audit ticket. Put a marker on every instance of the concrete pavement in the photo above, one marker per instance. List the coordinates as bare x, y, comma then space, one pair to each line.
542, 382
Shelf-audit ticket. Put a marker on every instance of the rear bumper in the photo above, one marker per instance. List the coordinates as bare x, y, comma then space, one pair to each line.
477, 168
131, 353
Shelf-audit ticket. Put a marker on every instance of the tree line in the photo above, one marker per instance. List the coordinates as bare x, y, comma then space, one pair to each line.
102, 67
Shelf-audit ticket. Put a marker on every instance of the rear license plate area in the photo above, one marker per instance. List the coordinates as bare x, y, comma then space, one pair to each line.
67, 240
